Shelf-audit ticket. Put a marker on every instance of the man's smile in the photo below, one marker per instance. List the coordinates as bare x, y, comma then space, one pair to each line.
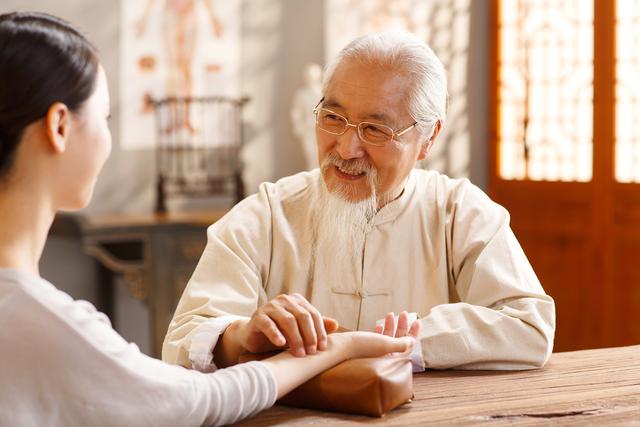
348, 175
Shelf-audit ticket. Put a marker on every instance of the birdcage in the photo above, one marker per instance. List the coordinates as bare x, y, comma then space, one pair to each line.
198, 148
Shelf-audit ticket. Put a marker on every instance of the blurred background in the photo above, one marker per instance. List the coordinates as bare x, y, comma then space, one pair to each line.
542, 116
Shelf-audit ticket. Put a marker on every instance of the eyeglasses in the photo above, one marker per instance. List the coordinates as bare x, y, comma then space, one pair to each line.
372, 133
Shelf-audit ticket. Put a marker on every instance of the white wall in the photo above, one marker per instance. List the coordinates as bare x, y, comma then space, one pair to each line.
278, 38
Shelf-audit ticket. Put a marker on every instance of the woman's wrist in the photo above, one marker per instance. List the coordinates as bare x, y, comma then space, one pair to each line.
342, 344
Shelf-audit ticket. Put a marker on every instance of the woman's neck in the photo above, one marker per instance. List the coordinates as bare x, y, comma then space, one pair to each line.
26, 219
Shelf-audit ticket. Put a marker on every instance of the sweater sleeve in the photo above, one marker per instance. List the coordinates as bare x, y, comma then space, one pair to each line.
501, 317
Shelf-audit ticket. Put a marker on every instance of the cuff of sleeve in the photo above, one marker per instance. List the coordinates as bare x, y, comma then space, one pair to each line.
204, 340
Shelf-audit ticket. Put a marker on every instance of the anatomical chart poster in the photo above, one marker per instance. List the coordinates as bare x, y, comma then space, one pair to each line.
174, 48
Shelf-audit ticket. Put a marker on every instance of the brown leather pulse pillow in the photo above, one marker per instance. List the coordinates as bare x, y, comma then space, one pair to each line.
371, 386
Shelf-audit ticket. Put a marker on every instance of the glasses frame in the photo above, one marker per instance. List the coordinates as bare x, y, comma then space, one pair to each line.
394, 133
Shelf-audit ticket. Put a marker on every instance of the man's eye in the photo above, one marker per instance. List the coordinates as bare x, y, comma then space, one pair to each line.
375, 131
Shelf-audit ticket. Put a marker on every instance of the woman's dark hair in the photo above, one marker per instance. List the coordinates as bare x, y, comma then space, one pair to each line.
43, 60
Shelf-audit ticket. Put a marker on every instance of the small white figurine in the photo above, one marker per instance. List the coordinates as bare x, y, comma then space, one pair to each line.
304, 100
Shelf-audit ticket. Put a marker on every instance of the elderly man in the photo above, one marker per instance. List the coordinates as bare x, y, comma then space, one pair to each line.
365, 235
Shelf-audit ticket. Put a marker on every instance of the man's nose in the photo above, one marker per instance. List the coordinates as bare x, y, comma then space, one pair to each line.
350, 144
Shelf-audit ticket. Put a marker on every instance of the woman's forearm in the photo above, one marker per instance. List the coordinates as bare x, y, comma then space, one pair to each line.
290, 371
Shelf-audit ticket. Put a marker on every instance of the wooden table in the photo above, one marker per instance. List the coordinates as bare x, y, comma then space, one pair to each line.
588, 387
155, 255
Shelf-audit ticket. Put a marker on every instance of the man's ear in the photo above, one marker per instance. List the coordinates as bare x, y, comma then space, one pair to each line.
57, 126
426, 146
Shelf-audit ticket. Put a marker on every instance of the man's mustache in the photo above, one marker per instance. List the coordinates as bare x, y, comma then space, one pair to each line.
353, 165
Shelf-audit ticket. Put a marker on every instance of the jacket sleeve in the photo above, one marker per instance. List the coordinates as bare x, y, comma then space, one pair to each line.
228, 280
500, 316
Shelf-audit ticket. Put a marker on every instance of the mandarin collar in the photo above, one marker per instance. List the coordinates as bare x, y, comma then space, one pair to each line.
391, 210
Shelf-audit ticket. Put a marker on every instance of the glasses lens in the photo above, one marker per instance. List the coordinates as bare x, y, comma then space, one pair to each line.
331, 122
375, 133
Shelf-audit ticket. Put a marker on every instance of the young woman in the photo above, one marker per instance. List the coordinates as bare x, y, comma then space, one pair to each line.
61, 363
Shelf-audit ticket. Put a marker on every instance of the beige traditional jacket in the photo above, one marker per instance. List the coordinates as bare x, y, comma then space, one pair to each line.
443, 249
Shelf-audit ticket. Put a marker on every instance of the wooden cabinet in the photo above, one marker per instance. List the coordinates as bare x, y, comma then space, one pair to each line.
155, 254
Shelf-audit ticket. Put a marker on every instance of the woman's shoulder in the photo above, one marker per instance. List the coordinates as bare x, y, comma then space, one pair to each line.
17, 284
37, 308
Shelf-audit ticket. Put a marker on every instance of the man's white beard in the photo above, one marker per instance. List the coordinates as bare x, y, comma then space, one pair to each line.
340, 225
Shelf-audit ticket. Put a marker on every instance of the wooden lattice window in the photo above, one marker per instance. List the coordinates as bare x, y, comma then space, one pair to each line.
546, 90
565, 156
627, 155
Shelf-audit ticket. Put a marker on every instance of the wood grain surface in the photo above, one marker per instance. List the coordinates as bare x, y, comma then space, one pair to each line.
587, 387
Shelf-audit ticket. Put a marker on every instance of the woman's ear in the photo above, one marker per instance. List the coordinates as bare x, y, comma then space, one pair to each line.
58, 124
426, 146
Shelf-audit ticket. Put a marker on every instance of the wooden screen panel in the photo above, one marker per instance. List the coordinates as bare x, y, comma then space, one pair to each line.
622, 291
623, 299
536, 204
560, 260
578, 235
561, 253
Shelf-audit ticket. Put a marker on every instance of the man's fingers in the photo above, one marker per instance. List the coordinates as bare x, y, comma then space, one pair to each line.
288, 326
306, 325
403, 324
379, 329
269, 329
319, 338
293, 319
389, 324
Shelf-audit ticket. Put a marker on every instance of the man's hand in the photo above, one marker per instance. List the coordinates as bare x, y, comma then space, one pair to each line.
403, 329
286, 320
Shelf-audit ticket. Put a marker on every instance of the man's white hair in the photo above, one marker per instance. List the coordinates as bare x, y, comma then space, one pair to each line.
408, 54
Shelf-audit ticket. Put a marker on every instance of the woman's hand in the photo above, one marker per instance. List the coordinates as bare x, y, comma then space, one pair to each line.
290, 371
353, 345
